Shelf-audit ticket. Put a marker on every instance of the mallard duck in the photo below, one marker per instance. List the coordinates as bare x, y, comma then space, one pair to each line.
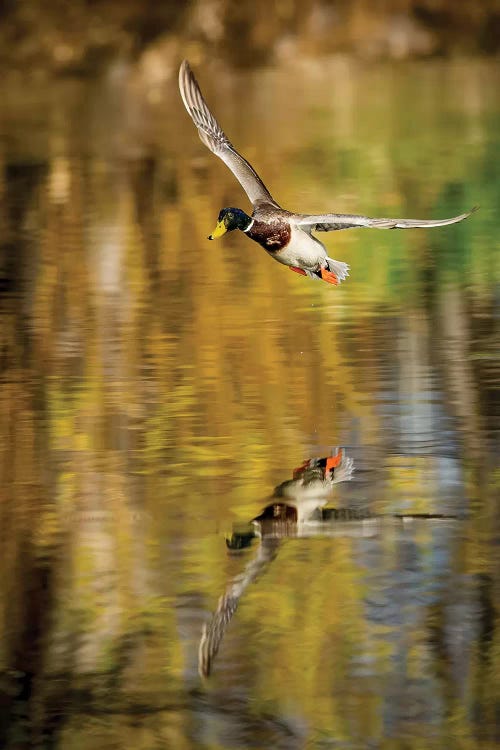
292, 504
287, 237
310, 488
298, 500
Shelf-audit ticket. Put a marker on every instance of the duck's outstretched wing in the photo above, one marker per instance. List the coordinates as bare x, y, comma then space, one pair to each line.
215, 628
332, 222
216, 140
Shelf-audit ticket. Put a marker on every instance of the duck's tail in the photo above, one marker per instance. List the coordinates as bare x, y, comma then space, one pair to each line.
336, 468
344, 470
340, 269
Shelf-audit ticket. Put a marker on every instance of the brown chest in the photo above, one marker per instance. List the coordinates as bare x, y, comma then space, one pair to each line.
273, 236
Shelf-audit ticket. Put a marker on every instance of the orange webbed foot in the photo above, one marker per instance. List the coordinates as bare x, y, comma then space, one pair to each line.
297, 270
328, 276
333, 461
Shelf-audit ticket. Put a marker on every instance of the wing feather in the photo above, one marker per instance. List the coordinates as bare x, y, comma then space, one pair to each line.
214, 630
216, 140
333, 222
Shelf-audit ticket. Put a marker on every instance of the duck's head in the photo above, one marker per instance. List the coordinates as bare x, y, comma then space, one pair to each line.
229, 219
240, 539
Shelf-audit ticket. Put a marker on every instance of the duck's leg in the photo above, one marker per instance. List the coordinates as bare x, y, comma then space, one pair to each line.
333, 461
328, 276
298, 270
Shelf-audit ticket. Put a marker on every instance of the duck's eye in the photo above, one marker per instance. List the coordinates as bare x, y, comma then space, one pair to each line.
230, 216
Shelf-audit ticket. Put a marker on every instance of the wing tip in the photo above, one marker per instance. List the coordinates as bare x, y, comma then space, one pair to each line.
184, 68
189, 89
185, 73
466, 215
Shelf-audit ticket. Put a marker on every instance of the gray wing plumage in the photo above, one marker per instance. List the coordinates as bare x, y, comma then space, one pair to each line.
215, 628
332, 222
216, 140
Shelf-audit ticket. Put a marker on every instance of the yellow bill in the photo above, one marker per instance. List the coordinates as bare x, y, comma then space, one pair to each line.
219, 230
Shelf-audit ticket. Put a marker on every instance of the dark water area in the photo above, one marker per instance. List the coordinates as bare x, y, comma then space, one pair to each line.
156, 387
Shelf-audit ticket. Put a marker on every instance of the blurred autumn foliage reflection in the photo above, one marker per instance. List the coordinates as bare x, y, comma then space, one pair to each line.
154, 386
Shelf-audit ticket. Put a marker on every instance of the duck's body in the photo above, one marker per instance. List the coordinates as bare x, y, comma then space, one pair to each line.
286, 236
284, 241
310, 488
299, 500
293, 504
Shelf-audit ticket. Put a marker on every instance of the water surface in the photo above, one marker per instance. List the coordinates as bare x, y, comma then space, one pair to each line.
156, 387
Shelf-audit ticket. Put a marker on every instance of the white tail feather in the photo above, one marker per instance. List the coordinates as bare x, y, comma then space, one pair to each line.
340, 269
343, 472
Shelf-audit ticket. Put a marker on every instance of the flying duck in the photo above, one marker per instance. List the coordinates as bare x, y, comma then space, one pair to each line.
287, 237
292, 505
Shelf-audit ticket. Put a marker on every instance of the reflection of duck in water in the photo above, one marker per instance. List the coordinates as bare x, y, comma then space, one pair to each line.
286, 236
298, 500
296, 509
293, 504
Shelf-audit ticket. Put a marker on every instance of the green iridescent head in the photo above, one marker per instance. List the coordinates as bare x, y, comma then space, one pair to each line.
229, 219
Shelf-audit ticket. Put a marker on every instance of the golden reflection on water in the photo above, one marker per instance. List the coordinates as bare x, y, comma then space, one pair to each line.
156, 386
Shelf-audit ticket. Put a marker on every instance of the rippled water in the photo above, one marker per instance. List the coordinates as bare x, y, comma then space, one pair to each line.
156, 388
